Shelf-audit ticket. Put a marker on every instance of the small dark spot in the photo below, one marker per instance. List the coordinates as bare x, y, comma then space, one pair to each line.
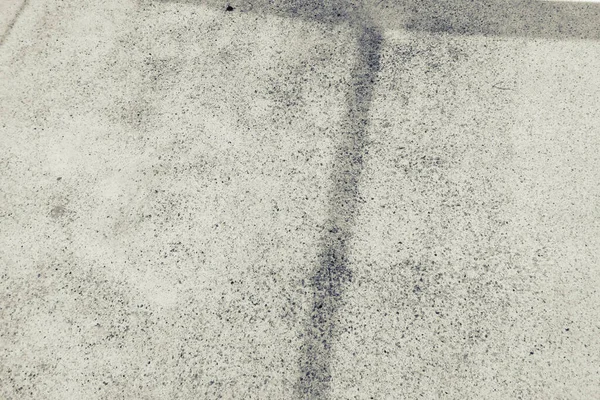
229, 8
531, 353
59, 178
567, 329
57, 212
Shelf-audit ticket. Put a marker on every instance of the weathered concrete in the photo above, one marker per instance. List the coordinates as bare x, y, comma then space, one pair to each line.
299, 200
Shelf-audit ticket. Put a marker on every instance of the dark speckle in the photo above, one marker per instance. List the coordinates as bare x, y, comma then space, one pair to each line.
229, 8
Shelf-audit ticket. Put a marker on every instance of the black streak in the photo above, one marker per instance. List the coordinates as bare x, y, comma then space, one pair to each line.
333, 273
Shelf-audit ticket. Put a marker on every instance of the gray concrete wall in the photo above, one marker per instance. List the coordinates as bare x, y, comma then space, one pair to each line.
297, 200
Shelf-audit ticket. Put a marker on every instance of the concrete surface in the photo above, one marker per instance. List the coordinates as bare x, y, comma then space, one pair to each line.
389, 200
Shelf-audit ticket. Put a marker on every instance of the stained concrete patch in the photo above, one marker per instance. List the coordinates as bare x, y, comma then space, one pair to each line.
299, 199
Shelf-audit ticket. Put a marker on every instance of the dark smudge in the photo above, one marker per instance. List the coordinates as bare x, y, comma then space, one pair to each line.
57, 211
333, 272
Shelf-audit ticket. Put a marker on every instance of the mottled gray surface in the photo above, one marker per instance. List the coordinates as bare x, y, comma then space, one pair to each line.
295, 199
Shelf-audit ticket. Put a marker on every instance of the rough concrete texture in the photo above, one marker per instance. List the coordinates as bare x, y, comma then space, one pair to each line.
293, 199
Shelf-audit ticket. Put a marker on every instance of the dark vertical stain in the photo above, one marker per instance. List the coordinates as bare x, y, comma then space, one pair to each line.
333, 273
12, 22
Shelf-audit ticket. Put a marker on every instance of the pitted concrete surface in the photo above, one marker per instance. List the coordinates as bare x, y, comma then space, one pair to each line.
274, 200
